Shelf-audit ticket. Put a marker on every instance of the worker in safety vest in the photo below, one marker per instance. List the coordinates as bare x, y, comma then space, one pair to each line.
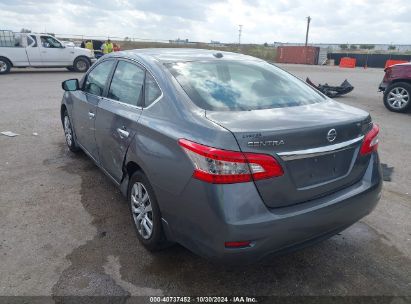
89, 45
107, 47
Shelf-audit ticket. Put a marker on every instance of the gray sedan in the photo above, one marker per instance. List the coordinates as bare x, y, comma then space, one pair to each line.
223, 153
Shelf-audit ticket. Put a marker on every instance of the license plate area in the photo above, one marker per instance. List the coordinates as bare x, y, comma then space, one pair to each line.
320, 169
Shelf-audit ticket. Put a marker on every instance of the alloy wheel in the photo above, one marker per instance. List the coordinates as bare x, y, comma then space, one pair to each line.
142, 210
398, 98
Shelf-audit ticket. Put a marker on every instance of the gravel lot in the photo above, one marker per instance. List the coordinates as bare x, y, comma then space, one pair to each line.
65, 228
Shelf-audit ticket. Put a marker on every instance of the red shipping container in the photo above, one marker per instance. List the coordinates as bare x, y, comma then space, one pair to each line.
298, 54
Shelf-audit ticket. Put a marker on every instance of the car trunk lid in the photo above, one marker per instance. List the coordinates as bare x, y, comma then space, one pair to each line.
316, 144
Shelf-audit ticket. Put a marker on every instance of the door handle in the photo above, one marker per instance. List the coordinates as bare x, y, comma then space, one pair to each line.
91, 115
123, 133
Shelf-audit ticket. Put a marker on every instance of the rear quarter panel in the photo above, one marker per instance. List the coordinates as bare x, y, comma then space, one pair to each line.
155, 146
156, 150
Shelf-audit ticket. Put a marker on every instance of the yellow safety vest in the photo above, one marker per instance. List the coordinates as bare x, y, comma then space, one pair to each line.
107, 48
89, 45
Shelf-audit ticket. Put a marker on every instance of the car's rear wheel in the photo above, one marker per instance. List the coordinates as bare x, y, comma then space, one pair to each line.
5, 65
397, 97
145, 212
81, 65
69, 134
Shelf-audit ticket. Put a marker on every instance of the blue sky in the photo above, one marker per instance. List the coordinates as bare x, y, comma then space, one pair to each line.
352, 21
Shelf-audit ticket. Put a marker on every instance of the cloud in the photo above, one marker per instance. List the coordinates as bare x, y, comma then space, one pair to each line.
352, 21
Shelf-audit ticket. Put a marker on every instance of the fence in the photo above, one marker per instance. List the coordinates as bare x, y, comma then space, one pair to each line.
368, 60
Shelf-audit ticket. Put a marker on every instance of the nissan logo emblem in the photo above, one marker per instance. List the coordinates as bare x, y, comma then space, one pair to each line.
331, 135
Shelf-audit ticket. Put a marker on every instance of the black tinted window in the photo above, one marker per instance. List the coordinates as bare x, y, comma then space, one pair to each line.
127, 84
30, 41
35, 40
241, 85
96, 79
152, 91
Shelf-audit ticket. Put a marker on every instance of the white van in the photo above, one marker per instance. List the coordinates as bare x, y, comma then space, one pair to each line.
22, 50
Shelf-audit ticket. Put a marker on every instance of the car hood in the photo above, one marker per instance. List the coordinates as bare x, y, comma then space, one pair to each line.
82, 51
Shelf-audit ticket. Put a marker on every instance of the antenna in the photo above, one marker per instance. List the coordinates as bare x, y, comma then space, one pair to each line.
308, 29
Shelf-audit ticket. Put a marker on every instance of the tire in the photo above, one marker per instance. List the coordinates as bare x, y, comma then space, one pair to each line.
81, 65
5, 65
71, 69
397, 97
69, 134
148, 210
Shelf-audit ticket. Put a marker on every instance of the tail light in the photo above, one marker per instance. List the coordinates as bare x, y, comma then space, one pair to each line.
226, 167
241, 244
370, 142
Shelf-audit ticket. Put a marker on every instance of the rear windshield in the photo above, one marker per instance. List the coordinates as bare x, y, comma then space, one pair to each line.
241, 85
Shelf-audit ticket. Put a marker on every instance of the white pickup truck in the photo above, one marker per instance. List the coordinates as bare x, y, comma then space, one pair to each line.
21, 50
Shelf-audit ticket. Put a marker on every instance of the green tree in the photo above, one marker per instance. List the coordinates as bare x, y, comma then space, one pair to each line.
392, 47
353, 47
343, 46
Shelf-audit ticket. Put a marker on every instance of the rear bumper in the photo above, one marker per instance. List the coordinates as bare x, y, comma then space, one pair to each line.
216, 214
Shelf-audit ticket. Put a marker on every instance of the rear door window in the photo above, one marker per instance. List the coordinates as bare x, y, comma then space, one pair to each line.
152, 90
35, 40
127, 84
30, 41
97, 78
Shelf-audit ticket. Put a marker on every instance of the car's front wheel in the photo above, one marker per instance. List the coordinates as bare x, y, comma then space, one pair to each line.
145, 212
69, 134
397, 97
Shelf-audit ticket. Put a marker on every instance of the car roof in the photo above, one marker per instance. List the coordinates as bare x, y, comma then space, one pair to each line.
167, 55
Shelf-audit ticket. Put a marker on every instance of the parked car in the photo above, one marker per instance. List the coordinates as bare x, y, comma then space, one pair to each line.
396, 86
22, 50
223, 153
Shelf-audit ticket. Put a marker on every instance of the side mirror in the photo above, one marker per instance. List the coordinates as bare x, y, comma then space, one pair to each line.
70, 85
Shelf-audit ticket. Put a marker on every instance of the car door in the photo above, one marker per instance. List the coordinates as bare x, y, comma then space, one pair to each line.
85, 103
33, 51
53, 53
118, 114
